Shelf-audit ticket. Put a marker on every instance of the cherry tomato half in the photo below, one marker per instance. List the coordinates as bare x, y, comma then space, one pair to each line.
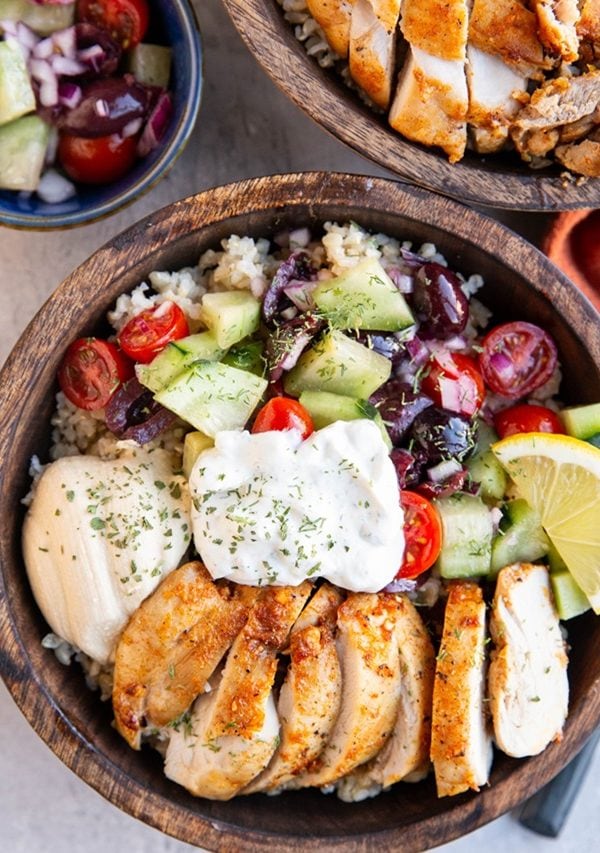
455, 383
91, 372
422, 534
146, 334
99, 160
126, 20
517, 358
282, 413
526, 418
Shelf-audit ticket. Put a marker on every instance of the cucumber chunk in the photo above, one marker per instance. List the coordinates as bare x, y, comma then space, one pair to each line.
555, 561
177, 357
231, 315
466, 536
23, 144
340, 365
594, 440
521, 538
247, 355
212, 396
16, 93
364, 297
326, 408
41, 19
569, 599
582, 421
193, 445
150, 64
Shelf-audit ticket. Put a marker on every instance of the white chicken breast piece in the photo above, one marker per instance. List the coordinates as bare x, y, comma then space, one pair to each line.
234, 731
437, 27
310, 697
509, 30
405, 755
170, 647
528, 685
461, 743
333, 16
431, 102
373, 47
557, 20
492, 105
368, 654
588, 30
98, 538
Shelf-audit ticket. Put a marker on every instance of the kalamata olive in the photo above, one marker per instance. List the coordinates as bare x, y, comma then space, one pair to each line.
441, 305
133, 413
399, 405
408, 467
441, 434
298, 267
287, 342
106, 107
97, 49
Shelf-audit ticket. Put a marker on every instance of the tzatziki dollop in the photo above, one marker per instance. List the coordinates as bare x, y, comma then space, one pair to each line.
271, 508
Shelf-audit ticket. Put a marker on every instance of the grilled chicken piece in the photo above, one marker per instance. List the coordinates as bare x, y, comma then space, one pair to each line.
528, 686
461, 744
334, 16
557, 21
583, 158
438, 27
368, 654
405, 755
492, 105
509, 30
588, 30
309, 701
170, 647
373, 47
233, 731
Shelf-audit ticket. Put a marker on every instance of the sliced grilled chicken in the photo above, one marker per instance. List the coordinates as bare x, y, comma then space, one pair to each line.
438, 27
368, 654
583, 157
588, 30
492, 103
334, 16
509, 30
528, 686
373, 47
234, 731
309, 701
557, 23
405, 755
461, 744
170, 647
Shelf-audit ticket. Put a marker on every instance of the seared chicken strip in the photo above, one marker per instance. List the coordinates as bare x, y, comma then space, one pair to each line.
334, 16
405, 754
373, 47
234, 731
309, 701
509, 30
368, 654
461, 744
492, 104
170, 647
588, 30
582, 157
557, 20
528, 685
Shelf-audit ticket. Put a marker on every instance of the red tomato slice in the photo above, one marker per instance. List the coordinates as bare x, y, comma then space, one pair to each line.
517, 358
146, 334
91, 372
455, 383
126, 20
282, 413
526, 418
422, 534
99, 160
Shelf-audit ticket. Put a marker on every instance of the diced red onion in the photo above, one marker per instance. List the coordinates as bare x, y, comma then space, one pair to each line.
43, 49
132, 127
300, 293
402, 280
457, 344
92, 56
69, 95
412, 260
401, 585
156, 125
41, 71
9, 28
443, 470
54, 188
418, 352
26, 36
502, 366
66, 41
64, 66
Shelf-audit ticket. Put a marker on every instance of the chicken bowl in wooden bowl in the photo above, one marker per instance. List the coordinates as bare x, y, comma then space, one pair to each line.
490, 103
215, 444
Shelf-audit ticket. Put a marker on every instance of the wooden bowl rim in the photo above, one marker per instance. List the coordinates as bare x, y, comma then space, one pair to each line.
339, 111
300, 191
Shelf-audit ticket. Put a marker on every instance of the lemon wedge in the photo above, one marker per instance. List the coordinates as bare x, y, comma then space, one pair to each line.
559, 477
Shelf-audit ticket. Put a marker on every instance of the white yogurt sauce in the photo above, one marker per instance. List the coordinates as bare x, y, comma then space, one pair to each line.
273, 509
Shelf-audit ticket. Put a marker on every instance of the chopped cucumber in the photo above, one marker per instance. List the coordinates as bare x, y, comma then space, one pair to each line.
569, 599
43, 20
16, 93
594, 440
232, 315
364, 297
582, 421
177, 357
247, 355
466, 536
340, 365
23, 144
555, 561
212, 396
326, 408
193, 445
150, 64
484, 468
521, 538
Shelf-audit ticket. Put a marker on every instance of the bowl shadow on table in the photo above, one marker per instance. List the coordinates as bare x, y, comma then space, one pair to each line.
69, 718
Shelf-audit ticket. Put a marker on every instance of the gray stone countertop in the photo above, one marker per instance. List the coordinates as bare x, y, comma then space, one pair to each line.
242, 131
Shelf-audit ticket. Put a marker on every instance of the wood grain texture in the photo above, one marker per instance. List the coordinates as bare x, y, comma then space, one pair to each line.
500, 181
69, 718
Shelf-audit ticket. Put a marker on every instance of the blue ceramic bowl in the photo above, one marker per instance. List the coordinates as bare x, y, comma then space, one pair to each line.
180, 31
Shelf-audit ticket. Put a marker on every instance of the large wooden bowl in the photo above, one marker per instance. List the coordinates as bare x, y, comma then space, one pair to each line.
71, 720
496, 181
